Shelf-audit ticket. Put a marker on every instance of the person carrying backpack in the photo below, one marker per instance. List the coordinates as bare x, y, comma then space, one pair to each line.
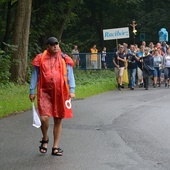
53, 74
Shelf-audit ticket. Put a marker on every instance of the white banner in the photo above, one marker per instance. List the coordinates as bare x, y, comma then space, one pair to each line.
116, 33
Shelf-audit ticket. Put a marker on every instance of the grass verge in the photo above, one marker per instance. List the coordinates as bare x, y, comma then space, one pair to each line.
14, 98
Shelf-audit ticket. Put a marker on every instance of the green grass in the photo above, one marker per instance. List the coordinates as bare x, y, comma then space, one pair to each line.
90, 83
14, 98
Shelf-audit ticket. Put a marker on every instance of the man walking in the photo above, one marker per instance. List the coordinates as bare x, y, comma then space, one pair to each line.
53, 74
148, 67
119, 63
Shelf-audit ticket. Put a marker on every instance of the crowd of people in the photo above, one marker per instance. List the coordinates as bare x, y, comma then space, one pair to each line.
141, 63
135, 64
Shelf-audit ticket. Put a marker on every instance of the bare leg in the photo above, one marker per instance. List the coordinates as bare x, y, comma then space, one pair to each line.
44, 129
155, 81
77, 63
57, 131
105, 66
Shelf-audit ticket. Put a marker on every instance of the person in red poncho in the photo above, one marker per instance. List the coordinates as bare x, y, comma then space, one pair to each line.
54, 78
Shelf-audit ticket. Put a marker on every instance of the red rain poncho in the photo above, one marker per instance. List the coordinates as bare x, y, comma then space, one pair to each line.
53, 88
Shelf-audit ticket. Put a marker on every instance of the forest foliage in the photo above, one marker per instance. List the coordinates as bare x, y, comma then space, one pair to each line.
81, 22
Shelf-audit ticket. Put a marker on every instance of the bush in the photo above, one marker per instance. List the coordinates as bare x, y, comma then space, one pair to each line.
4, 68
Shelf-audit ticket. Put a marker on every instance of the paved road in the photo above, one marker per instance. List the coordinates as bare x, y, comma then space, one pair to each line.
127, 130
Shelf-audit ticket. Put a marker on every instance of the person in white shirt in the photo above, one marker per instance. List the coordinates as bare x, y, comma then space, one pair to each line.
167, 68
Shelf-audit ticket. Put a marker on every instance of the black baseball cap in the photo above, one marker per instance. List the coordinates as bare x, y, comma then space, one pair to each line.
52, 41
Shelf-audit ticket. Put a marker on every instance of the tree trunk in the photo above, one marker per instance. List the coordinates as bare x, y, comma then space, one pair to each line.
21, 39
8, 20
64, 24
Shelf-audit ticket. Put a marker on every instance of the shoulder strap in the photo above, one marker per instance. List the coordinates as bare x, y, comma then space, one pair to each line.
63, 55
42, 56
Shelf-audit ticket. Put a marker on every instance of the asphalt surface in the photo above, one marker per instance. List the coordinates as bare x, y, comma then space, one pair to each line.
127, 130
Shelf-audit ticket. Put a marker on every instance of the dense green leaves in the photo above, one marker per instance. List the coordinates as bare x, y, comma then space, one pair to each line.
81, 22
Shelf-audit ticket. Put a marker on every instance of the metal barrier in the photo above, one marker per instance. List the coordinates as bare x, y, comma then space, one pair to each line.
93, 61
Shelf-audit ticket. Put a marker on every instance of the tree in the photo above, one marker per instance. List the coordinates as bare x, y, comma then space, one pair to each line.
8, 13
21, 39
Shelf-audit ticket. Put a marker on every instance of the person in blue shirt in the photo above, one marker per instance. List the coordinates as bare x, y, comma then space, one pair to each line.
53, 74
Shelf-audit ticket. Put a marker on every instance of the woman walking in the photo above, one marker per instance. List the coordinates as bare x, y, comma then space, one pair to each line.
158, 65
167, 68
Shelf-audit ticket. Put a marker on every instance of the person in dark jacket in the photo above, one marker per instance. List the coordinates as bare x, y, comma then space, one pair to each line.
132, 66
147, 67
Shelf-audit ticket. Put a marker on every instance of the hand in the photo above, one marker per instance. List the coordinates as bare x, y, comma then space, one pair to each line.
32, 97
72, 95
117, 66
118, 57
